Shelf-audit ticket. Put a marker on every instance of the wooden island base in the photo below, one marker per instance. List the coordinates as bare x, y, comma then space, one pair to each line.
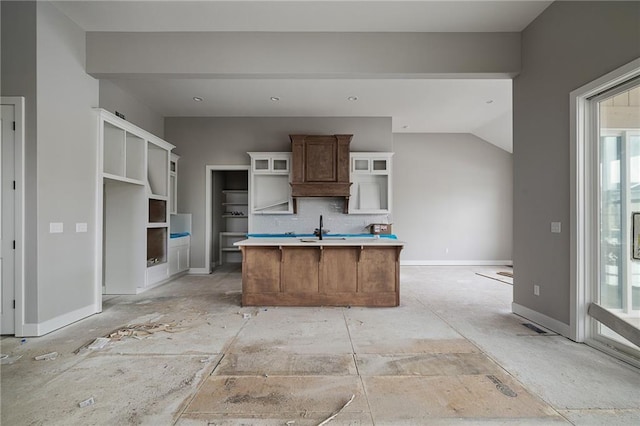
321, 275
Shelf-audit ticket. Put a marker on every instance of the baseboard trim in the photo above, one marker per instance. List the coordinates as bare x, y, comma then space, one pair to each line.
28, 330
199, 271
456, 262
545, 321
45, 327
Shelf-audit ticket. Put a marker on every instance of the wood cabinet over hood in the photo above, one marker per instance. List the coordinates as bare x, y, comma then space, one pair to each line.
320, 167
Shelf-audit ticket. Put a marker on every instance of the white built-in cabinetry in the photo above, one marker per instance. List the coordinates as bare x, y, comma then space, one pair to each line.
371, 183
179, 225
270, 183
136, 198
173, 183
179, 243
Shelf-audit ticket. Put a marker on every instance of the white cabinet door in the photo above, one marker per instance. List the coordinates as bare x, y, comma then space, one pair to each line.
370, 183
183, 259
270, 183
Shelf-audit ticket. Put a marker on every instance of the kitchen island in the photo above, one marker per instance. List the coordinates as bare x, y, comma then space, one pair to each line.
334, 271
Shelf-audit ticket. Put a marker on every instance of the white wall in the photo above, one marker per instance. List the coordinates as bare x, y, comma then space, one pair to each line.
113, 98
66, 157
567, 46
226, 141
452, 199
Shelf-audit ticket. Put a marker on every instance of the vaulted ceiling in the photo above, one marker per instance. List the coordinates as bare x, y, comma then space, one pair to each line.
431, 103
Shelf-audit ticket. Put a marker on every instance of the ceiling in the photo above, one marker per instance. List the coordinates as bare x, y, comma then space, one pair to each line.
481, 107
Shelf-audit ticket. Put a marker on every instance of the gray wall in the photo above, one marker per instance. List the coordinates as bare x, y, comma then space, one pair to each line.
567, 46
226, 141
113, 98
262, 54
19, 79
452, 198
67, 152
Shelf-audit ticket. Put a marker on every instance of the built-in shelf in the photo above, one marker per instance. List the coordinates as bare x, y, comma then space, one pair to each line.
135, 169
157, 211
233, 227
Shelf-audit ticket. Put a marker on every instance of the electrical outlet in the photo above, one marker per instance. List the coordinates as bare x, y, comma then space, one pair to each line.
536, 290
446, 251
56, 227
556, 227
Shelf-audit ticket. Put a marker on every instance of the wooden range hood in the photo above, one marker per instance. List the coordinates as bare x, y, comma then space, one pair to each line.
320, 167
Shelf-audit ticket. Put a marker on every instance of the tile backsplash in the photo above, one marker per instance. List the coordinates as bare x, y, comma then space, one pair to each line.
307, 219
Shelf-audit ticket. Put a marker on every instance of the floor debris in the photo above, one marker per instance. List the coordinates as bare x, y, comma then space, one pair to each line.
136, 331
99, 343
87, 402
47, 357
141, 330
334, 415
6, 359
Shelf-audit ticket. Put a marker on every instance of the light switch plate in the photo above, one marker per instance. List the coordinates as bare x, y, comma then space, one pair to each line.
56, 227
556, 227
81, 227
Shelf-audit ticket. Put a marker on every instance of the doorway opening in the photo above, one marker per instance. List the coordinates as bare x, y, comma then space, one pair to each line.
227, 215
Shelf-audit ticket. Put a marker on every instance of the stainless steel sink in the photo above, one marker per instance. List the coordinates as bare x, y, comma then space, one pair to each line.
325, 238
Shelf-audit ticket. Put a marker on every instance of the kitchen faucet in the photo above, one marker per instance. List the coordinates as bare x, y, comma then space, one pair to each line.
318, 232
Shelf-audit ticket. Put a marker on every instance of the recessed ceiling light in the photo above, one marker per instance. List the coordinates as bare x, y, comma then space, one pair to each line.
197, 99
275, 98
352, 98
490, 101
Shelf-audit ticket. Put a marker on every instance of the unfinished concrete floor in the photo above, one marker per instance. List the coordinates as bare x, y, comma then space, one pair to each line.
451, 353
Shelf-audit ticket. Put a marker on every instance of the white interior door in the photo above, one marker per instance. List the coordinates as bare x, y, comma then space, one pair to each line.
7, 223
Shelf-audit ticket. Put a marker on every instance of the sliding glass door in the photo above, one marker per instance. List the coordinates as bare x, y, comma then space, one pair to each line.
617, 117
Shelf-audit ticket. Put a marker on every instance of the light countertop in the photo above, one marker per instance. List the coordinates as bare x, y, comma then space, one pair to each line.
314, 242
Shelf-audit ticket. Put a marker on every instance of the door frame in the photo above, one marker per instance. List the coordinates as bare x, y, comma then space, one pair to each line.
584, 197
19, 148
209, 169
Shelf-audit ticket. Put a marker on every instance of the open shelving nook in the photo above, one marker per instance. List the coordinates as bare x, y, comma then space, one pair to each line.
134, 166
229, 191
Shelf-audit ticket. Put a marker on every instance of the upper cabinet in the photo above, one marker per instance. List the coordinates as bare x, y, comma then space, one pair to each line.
124, 153
320, 166
371, 187
270, 162
270, 183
